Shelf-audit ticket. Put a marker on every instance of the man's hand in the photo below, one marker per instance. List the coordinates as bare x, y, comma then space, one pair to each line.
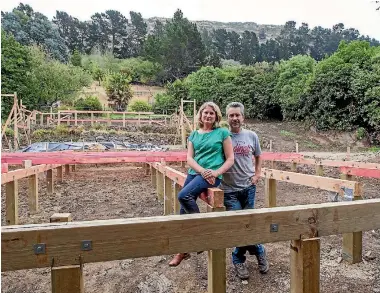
255, 179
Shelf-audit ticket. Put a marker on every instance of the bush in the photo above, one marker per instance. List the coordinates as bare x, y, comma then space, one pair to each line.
140, 106
88, 104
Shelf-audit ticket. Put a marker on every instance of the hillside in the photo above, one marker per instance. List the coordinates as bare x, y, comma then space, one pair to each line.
271, 31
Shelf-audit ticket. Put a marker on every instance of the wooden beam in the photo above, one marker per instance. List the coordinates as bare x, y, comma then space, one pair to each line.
11, 202
4, 168
164, 235
22, 173
330, 163
361, 172
337, 185
305, 266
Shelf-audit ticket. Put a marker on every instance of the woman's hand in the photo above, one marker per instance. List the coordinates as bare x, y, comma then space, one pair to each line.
210, 176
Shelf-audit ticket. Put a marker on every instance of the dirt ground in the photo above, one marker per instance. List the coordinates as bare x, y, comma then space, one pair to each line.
106, 192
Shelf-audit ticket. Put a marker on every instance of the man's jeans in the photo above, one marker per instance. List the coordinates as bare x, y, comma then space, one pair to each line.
241, 200
192, 188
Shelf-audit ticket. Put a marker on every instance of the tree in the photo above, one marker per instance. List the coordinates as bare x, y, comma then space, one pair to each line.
249, 48
118, 89
34, 28
76, 59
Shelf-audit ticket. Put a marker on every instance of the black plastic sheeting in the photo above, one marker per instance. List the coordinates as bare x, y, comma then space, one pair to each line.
88, 146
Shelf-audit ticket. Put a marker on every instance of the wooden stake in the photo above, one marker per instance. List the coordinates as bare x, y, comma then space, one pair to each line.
33, 193
67, 169
293, 167
177, 205
270, 192
305, 266
319, 170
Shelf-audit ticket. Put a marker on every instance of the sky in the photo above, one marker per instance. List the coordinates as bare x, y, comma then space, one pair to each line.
360, 14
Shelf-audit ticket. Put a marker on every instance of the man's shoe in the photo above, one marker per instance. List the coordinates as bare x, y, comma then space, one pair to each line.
263, 262
242, 271
178, 258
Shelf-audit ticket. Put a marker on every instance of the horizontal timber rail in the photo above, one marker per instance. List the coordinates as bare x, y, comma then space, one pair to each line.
144, 237
112, 157
23, 173
342, 187
361, 172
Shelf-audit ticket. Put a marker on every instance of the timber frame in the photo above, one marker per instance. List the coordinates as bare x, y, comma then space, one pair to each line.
41, 245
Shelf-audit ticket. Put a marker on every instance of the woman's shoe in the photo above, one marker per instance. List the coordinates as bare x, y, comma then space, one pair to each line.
178, 258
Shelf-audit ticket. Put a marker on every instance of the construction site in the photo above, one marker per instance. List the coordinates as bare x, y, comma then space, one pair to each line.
99, 216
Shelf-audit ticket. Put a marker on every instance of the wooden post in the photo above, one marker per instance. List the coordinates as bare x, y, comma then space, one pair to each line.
176, 204
270, 145
33, 188
109, 118
168, 193
59, 118
60, 174
305, 266
92, 119
352, 242
67, 169
293, 168
146, 168
66, 279
11, 202
270, 192
296, 147
123, 119
217, 258
50, 181
75, 118
153, 176
73, 168
319, 170
160, 183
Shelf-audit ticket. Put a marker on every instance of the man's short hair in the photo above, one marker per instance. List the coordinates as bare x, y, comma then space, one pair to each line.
236, 105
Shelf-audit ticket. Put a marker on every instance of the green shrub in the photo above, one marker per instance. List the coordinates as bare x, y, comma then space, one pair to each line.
140, 106
88, 104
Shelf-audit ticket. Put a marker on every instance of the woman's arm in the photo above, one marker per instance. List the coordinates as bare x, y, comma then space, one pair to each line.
190, 159
229, 154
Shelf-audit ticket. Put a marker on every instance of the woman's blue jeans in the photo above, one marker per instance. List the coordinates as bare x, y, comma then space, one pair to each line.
193, 187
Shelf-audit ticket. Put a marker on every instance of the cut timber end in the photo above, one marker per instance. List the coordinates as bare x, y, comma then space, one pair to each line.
60, 217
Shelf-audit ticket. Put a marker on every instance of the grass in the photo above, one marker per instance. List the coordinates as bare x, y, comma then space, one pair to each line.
287, 133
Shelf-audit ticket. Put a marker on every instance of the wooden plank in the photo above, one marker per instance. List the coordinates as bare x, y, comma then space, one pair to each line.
33, 193
165, 235
11, 203
67, 169
305, 266
26, 164
67, 279
160, 185
270, 192
217, 267
330, 163
361, 172
22, 173
324, 183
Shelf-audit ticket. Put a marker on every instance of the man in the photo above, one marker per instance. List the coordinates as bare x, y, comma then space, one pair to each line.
239, 183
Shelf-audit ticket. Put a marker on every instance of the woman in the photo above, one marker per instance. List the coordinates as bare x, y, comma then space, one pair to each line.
209, 155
